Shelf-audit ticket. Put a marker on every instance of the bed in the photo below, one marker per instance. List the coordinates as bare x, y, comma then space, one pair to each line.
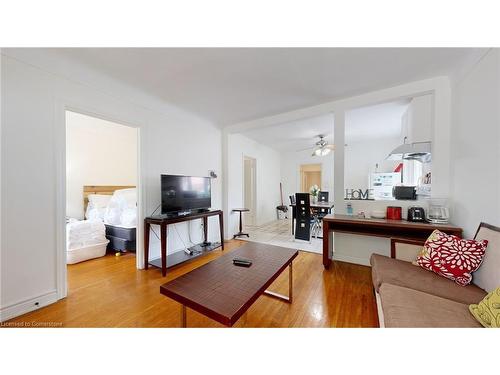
119, 213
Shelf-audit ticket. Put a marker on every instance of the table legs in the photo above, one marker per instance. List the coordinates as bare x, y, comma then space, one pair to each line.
269, 293
279, 296
163, 249
240, 233
326, 245
147, 227
183, 316
221, 227
205, 229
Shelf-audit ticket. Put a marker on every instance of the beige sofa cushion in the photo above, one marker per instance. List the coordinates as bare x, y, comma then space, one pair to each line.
408, 308
488, 274
405, 274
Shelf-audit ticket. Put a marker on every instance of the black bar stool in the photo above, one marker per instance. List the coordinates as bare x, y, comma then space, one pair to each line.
240, 233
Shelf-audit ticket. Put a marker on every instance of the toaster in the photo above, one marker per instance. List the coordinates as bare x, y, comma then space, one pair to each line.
416, 214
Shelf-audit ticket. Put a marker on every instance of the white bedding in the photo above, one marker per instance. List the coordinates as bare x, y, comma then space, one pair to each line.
85, 239
122, 208
96, 208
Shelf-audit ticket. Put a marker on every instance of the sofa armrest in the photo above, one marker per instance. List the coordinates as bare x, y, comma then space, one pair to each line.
406, 249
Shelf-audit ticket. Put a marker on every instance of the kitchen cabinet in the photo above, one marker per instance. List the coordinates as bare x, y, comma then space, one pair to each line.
417, 121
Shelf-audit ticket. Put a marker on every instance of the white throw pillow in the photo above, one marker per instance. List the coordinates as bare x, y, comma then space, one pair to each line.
127, 197
99, 200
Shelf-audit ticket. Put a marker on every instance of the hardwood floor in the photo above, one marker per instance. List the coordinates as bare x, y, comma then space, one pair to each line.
111, 292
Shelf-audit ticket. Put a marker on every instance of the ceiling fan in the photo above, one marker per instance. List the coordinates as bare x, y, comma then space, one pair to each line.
322, 148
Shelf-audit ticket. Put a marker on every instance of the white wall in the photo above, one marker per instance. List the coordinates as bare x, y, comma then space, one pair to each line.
290, 171
98, 152
268, 179
34, 96
361, 157
476, 145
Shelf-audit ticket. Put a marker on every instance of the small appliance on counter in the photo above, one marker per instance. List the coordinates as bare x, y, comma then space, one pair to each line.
393, 213
438, 212
416, 214
404, 192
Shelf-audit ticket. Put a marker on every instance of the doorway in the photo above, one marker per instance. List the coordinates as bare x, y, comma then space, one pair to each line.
249, 189
310, 174
101, 190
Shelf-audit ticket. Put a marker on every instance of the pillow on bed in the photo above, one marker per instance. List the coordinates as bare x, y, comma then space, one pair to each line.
99, 200
128, 217
95, 213
126, 197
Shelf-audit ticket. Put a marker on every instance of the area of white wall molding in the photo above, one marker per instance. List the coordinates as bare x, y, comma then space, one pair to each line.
27, 305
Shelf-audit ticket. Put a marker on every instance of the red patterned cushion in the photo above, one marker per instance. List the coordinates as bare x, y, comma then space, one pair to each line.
452, 257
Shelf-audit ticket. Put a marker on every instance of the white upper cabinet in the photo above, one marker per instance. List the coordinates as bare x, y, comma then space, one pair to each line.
417, 125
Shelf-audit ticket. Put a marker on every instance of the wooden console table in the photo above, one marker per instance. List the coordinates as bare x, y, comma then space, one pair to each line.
180, 256
378, 228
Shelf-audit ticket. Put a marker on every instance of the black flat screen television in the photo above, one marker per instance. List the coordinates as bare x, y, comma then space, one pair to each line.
184, 194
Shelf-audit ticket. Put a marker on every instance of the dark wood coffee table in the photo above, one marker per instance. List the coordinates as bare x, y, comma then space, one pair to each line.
223, 291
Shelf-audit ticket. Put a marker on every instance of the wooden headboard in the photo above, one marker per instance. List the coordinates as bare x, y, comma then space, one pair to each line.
104, 190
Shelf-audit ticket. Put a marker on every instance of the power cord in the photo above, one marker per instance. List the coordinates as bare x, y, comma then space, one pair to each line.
156, 209
175, 227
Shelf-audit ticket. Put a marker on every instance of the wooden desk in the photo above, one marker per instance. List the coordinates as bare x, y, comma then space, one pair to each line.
180, 256
317, 205
378, 228
223, 291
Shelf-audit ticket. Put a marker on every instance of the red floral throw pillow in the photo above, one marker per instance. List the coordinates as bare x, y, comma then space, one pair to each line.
452, 257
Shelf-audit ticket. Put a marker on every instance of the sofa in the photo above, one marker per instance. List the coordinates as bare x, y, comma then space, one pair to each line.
410, 296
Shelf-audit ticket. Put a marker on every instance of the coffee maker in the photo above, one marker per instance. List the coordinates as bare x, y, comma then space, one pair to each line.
438, 212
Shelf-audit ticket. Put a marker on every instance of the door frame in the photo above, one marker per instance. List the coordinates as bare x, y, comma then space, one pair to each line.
60, 190
301, 175
254, 186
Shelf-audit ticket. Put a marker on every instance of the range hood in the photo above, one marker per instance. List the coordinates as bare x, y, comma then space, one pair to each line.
420, 151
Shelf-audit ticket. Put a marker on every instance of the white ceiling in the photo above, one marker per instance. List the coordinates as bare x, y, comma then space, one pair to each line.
362, 124
230, 85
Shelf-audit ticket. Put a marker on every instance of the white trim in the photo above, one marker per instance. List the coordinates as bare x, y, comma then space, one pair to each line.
380, 312
60, 198
25, 306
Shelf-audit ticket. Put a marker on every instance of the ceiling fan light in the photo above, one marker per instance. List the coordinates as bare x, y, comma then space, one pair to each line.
325, 151
317, 152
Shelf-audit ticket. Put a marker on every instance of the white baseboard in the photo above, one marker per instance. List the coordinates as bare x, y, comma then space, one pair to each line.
350, 259
23, 307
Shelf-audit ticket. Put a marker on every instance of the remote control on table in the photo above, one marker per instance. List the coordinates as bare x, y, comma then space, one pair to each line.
241, 262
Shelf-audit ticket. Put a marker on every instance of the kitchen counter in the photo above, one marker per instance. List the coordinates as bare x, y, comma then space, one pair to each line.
378, 228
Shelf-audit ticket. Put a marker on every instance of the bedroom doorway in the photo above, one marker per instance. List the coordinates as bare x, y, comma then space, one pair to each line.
101, 208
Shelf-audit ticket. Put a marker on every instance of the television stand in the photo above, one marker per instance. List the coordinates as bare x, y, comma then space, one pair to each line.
180, 256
